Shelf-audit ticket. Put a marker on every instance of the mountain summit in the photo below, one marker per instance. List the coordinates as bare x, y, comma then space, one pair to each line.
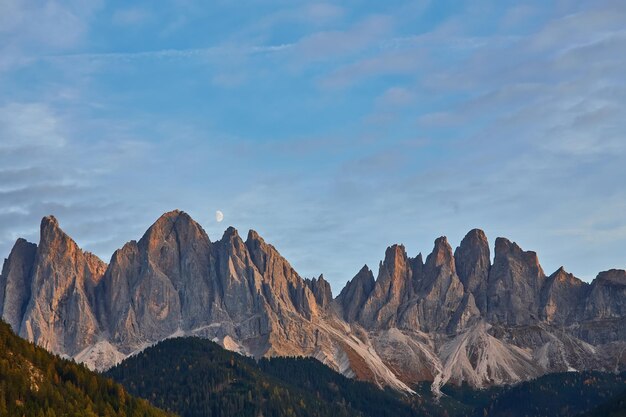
454, 317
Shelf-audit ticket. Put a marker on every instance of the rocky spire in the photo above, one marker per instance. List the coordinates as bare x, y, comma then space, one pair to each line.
355, 293
393, 287
15, 283
515, 282
442, 293
281, 280
321, 290
607, 297
562, 298
59, 314
472, 260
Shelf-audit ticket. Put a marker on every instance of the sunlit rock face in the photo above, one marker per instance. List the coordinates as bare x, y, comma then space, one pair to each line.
452, 318
56, 291
473, 262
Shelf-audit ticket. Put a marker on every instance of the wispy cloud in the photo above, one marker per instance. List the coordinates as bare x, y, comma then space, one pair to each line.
216, 51
132, 16
334, 130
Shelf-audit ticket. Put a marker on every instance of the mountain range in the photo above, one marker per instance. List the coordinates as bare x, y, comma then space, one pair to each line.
455, 317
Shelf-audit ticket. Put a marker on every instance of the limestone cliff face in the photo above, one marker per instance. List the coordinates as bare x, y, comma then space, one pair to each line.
59, 315
473, 262
157, 285
176, 281
607, 298
453, 318
15, 282
514, 287
354, 295
563, 298
443, 296
393, 288
604, 309
281, 282
321, 290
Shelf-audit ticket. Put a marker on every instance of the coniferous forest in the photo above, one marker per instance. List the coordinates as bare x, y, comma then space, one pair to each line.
196, 378
35, 383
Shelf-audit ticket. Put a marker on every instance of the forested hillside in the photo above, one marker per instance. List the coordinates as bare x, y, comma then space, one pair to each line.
195, 377
35, 383
616, 407
555, 395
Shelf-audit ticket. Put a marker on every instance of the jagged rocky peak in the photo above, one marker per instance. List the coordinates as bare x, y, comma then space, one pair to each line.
395, 257
473, 261
355, 293
159, 284
60, 312
287, 289
607, 297
321, 290
511, 250
439, 266
173, 227
177, 246
233, 244
55, 243
562, 298
562, 276
615, 277
515, 282
393, 286
441, 293
441, 254
50, 234
15, 282
49, 221
230, 233
259, 250
395, 273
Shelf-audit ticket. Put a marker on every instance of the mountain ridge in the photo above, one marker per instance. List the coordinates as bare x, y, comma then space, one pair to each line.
455, 317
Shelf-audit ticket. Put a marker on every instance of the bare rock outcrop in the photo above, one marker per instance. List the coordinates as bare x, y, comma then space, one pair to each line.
59, 315
355, 293
15, 282
158, 285
321, 290
443, 301
603, 319
473, 262
563, 298
514, 287
393, 288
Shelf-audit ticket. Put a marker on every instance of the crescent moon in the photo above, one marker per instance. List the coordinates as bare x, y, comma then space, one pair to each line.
219, 216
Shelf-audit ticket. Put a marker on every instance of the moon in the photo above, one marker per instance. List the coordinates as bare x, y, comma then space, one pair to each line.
219, 216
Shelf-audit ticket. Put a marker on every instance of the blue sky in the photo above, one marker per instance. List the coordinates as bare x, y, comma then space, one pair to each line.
333, 129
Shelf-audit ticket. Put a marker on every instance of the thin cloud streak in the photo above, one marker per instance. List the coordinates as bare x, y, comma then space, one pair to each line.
174, 53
